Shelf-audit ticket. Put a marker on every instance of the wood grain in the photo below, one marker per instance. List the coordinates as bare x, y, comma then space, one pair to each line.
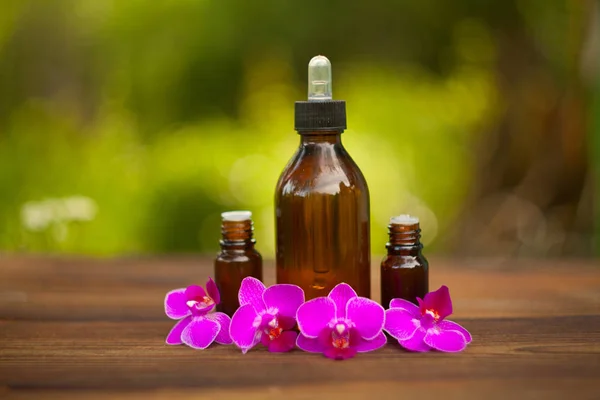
95, 329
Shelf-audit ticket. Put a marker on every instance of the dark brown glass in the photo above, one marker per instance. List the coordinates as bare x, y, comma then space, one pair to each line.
322, 218
238, 259
404, 271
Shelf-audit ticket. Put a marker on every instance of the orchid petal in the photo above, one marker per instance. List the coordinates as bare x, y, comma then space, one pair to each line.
405, 305
367, 315
438, 301
224, 321
200, 333
400, 324
340, 354
364, 346
174, 337
257, 339
285, 298
175, 304
213, 291
448, 341
310, 345
285, 342
415, 343
194, 292
341, 295
453, 326
314, 315
242, 328
251, 292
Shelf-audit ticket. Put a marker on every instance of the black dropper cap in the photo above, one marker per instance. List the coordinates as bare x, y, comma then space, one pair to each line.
320, 112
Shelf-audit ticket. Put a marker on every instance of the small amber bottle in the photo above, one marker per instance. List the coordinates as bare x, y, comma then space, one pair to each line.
237, 260
404, 271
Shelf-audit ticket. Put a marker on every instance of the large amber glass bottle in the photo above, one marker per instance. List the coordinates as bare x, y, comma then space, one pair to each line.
322, 200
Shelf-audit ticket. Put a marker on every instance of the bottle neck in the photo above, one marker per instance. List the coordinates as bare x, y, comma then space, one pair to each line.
404, 239
320, 137
237, 235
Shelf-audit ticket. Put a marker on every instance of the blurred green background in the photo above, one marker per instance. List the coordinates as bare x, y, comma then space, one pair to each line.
127, 127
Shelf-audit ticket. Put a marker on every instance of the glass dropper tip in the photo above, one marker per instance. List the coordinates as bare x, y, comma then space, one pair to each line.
319, 79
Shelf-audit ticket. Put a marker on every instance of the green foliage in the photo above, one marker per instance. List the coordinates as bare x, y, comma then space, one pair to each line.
167, 113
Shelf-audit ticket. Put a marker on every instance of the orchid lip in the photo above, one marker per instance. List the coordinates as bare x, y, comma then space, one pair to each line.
341, 343
272, 328
433, 313
274, 333
340, 337
199, 305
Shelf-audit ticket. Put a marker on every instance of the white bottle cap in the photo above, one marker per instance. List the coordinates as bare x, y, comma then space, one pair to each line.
404, 219
236, 216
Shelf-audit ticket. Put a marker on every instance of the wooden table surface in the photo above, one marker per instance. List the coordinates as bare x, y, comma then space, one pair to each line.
94, 329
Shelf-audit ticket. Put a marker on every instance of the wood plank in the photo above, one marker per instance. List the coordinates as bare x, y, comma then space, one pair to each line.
456, 389
133, 289
121, 355
94, 329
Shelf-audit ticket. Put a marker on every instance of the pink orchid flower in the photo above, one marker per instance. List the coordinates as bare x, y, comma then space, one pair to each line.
341, 324
197, 327
424, 327
266, 316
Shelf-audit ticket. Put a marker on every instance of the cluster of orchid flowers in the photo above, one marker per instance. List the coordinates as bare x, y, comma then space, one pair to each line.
338, 326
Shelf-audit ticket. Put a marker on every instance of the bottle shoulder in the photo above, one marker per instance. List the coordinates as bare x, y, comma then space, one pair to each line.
238, 256
321, 169
404, 261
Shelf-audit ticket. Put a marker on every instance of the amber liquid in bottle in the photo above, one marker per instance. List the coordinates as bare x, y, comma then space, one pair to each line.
238, 258
404, 271
322, 218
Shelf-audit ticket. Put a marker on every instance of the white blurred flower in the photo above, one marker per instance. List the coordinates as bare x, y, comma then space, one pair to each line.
80, 208
38, 216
